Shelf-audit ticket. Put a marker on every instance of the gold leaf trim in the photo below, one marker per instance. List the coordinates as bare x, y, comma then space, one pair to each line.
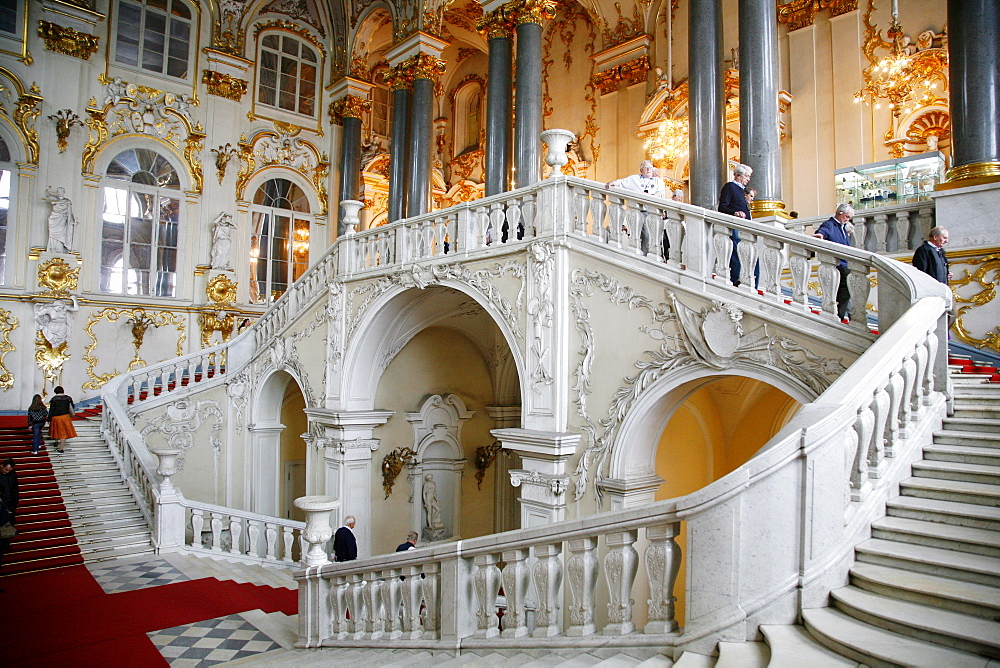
224, 85
8, 321
150, 318
67, 41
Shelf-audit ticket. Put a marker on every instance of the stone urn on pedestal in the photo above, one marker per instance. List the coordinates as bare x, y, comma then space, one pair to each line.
351, 209
557, 140
318, 530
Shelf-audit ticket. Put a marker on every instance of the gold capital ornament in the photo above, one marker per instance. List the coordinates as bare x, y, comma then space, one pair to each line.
496, 24
350, 106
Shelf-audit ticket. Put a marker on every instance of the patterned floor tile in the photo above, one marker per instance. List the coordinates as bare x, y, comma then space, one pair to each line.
128, 576
210, 642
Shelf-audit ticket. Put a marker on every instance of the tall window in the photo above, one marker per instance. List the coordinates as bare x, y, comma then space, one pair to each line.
473, 112
287, 75
141, 219
380, 105
279, 245
5, 176
155, 36
8, 16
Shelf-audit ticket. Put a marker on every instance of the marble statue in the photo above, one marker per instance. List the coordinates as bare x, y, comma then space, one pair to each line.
222, 241
55, 320
62, 223
431, 504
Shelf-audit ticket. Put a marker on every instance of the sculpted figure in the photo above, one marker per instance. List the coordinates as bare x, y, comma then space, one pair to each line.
431, 505
222, 241
55, 320
62, 223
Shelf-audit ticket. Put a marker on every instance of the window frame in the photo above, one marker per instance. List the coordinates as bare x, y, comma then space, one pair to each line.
257, 215
114, 35
10, 167
16, 43
270, 112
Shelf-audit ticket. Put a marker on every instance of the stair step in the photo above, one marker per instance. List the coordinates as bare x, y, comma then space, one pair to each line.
965, 597
963, 454
793, 647
972, 424
871, 645
981, 439
951, 490
949, 470
933, 560
946, 512
944, 627
975, 410
743, 655
935, 534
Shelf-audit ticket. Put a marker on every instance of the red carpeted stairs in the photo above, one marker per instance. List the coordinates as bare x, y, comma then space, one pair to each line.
990, 374
45, 536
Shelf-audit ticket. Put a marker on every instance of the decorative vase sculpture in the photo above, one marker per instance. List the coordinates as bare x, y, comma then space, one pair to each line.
557, 140
167, 467
350, 209
318, 530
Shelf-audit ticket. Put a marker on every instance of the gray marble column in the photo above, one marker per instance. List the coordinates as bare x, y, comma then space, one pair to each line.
418, 197
974, 73
350, 164
399, 143
760, 139
528, 109
706, 103
499, 100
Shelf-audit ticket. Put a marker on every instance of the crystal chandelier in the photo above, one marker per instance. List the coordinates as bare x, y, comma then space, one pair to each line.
669, 142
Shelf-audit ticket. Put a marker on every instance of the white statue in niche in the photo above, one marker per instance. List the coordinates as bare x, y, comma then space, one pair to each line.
62, 222
435, 529
55, 320
222, 241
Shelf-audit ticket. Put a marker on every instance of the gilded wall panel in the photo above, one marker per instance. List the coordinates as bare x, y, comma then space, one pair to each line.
116, 333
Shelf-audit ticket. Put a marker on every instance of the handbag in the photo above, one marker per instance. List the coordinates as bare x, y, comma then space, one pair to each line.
7, 531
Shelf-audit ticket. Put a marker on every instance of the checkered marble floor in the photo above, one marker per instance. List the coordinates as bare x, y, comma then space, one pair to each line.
210, 642
129, 575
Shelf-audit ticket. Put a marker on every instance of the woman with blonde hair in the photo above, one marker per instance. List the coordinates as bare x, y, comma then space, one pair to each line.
37, 416
61, 409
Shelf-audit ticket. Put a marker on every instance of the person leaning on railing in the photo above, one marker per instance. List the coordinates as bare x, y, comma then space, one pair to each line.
836, 229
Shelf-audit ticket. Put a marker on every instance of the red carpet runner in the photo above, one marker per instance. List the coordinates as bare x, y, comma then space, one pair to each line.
44, 535
62, 617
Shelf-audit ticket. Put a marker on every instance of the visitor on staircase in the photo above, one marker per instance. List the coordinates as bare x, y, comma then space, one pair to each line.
61, 409
37, 416
345, 545
8, 489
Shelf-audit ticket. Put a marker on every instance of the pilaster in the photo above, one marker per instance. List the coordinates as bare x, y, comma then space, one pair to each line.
544, 479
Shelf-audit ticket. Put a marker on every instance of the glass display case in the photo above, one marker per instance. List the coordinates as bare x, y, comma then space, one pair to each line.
888, 182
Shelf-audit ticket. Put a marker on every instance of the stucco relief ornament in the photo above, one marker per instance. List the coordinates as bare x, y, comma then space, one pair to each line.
711, 335
237, 390
182, 419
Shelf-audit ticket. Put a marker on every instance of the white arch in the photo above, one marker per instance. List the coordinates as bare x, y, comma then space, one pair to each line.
264, 420
634, 448
399, 315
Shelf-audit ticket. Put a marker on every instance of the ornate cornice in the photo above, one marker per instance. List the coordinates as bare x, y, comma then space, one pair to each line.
67, 41
633, 72
800, 13
224, 85
530, 11
350, 106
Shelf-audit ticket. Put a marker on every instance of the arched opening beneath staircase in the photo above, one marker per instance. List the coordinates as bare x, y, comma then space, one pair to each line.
441, 362
277, 471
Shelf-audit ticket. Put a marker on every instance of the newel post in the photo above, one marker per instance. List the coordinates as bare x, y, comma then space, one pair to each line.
169, 521
315, 606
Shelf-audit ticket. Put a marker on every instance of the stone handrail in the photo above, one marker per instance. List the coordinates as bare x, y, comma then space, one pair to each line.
240, 535
886, 229
880, 412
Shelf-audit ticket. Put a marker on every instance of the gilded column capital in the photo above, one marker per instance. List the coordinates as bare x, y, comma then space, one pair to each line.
496, 24
530, 11
350, 106
426, 66
400, 77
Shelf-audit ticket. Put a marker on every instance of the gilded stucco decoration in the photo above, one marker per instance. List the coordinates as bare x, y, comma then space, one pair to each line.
67, 41
715, 337
294, 28
8, 321
136, 319
985, 277
266, 148
392, 466
633, 72
801, 13
20, 107
624, 29
57, 278
224, 85
223, 154
54, 324
350, 106
221, 294
300, 10
227, 34
64, 119
131, 109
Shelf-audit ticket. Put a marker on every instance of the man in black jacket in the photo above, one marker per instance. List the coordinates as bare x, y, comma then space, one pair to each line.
345, 545
8, 487
733, 200
930, 257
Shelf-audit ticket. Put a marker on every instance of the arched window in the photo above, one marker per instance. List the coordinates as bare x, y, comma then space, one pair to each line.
154, 36
141, 217
287, 75
472, 115
5, 183
279, 242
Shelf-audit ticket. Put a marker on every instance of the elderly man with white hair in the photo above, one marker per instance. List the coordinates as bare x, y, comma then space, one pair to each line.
733, 200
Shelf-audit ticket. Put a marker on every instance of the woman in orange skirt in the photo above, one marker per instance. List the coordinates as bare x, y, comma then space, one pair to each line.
61, 409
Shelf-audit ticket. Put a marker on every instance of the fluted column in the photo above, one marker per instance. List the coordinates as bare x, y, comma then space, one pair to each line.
425, 69
399, 141
706, 103
974, 80
528, 16
760, 139
347, 113
499, 100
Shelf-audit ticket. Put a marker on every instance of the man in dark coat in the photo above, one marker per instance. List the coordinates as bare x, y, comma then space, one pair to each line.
345, 545
410, 544
8, 487
733, 200
930, 257
835, 230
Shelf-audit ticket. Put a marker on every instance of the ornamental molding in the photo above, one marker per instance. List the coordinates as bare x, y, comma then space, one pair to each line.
8, 322
334, 348
633, 72
420, 66
540, 308
498, 24
224, 85
531, 11
479, 282
228, 35
296, 9
281, 148
20, 107
283, 355
131, 109
801, 13
180, 421
362, 444
221, 291
350, 106
67, 41
713, 337
238, 391
131, 317
294, 28
556, 485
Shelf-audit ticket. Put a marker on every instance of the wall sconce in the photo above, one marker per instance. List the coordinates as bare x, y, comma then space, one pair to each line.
392, 465
485, 454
